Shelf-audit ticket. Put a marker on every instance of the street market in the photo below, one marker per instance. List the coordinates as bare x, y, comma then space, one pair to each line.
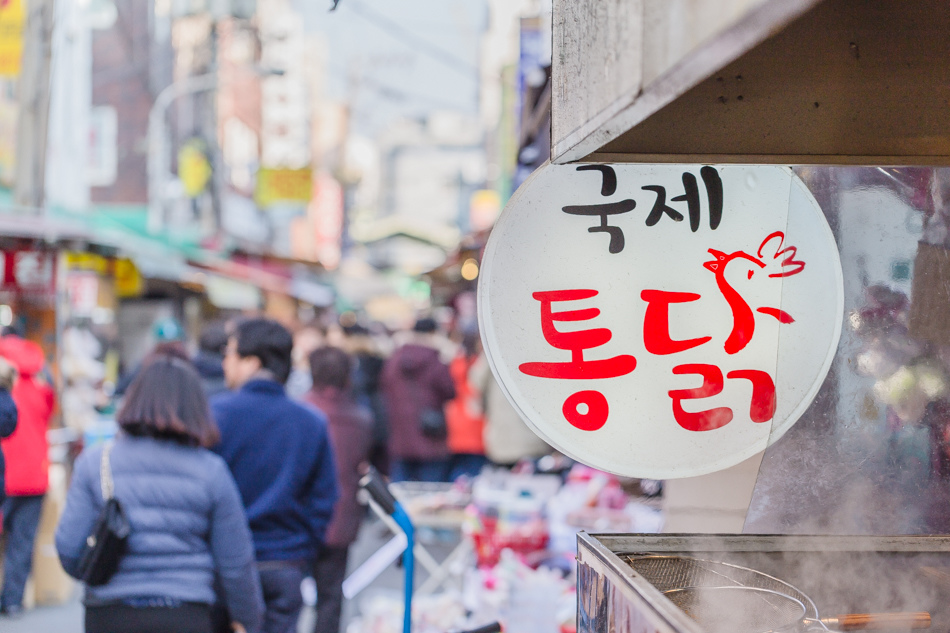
474, 316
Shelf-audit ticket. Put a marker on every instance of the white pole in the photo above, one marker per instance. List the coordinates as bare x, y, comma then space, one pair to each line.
157, 150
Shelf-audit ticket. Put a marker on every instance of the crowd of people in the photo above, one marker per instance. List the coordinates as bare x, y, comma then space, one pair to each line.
238, 466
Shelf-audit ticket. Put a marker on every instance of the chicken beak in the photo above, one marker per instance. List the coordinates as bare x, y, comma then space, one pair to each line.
713, 266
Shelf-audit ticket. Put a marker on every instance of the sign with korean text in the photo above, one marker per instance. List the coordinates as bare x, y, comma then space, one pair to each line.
661, 321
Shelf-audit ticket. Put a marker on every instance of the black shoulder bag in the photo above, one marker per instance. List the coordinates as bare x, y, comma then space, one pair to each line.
109, 538
432, 422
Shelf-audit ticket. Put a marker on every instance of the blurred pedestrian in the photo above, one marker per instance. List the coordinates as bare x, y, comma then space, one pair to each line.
280, 455
507, 438
306, 339
351, 428
27, 466
416, 385
463, 414
367, 372
187, 521
169, 341
8, 420
208, 361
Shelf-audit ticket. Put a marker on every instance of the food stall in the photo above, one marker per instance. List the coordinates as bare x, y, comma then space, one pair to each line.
716, 583
737, 261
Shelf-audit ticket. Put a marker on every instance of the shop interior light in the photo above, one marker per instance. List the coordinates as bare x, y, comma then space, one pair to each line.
470, 269
6, 316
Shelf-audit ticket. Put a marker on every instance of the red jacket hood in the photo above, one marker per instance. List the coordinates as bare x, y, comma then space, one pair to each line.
25, 355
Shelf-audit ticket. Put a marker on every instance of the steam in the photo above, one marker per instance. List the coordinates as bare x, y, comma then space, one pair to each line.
838, 576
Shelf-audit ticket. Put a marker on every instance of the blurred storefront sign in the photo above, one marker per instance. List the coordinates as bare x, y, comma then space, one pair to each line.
12, 20
28, 281
128, 280
534, 98
82, 289
283, 185
317, 236
285, 132
231, 294
327, 214
483, 209
29, 272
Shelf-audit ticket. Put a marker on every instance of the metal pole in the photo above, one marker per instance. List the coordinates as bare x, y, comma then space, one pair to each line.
157, 150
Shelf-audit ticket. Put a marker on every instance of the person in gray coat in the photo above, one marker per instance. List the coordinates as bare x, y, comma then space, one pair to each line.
187, 520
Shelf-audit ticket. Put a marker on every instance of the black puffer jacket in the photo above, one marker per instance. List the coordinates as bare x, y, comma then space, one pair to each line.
211, 371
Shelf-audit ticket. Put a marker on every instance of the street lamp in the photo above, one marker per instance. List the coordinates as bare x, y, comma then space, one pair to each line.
157, 149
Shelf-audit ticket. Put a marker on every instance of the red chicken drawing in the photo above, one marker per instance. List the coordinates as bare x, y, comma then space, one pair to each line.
743, 326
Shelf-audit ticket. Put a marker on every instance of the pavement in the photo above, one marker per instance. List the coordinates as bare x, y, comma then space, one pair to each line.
68, 618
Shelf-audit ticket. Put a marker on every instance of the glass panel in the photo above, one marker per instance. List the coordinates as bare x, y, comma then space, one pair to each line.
870, 456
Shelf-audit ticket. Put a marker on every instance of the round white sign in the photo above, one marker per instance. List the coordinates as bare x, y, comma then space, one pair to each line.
661, 321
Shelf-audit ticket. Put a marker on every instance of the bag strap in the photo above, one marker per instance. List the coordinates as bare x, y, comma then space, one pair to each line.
105, 472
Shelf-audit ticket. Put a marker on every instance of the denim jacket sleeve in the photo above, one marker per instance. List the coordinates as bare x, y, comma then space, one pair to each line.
83, 505
233, 551
8, 414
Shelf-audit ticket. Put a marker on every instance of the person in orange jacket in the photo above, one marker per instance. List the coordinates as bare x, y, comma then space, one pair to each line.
27, 468
464, 416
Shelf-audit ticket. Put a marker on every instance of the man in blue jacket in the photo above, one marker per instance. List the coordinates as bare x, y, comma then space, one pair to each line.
280, 455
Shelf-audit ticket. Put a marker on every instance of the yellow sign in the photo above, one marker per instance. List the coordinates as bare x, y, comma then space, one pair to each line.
128, 280
194, 170
87, 261
283, 185
12, 19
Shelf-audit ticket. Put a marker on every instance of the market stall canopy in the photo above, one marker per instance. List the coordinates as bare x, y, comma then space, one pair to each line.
752, 81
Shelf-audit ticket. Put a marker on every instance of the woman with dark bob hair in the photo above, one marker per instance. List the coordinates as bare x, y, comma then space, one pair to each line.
187, 520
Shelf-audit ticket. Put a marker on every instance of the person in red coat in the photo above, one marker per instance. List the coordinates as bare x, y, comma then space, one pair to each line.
27, 466
351, 434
